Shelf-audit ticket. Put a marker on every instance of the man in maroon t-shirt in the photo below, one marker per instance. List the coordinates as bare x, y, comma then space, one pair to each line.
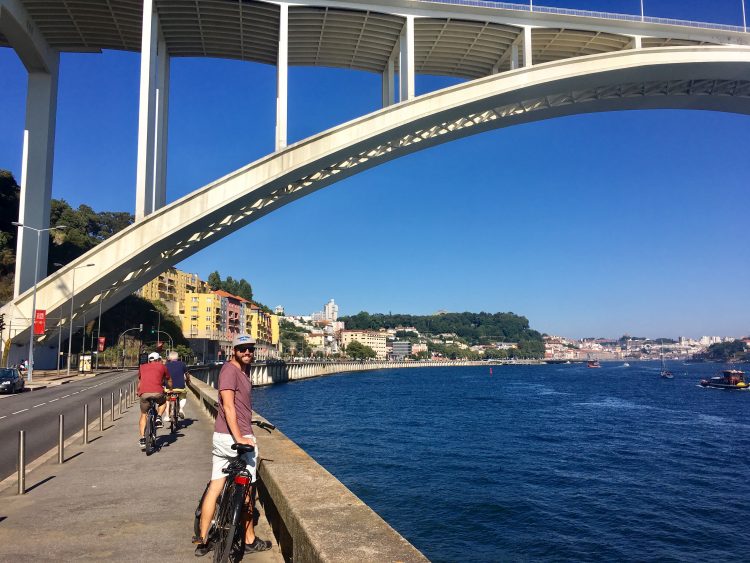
233, 425
151, 380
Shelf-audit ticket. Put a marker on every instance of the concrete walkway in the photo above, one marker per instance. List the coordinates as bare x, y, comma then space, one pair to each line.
109, 502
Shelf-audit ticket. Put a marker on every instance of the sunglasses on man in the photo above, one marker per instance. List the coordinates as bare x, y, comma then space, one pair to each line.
243, 349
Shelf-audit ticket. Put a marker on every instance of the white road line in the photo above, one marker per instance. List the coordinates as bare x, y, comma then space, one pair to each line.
22, 410
4, 416
53, 400
39, 405
64, 396
76, 393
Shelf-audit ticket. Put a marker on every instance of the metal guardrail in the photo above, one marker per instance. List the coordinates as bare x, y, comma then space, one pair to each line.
588, 14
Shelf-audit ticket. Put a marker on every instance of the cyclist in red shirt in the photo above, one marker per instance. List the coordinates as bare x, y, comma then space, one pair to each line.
151, 380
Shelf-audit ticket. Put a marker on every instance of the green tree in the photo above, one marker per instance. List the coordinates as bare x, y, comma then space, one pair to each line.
359, 351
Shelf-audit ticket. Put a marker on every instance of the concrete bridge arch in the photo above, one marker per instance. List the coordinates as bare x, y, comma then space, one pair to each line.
698, 77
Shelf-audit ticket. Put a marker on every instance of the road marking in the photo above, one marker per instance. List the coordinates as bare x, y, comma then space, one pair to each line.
4, 416
22, 410
64, 396
39, 405
53, 400
76, 393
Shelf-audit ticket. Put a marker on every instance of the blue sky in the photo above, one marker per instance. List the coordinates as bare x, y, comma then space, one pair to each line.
593, 225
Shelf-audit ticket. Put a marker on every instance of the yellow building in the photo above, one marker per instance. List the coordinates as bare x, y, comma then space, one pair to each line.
375, 340
170, 288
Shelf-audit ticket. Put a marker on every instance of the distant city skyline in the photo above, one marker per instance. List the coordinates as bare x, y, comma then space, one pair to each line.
593, 225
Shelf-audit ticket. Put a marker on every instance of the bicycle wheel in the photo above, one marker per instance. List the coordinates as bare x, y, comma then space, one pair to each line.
229, 528
150, 433
172, 417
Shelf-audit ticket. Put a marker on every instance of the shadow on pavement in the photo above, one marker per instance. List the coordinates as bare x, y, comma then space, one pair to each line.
40, 483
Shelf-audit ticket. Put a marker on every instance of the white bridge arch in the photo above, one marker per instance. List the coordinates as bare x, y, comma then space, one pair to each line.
705, 78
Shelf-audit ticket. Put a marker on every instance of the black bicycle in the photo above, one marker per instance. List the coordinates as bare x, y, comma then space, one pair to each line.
226, 532
150, 432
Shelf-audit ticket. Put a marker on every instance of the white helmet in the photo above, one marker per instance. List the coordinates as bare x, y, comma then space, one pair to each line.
153, 356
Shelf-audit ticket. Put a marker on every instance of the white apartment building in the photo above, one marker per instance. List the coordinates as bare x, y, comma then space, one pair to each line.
331, 311
375, 340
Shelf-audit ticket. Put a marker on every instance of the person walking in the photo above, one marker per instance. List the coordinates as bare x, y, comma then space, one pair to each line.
233, 425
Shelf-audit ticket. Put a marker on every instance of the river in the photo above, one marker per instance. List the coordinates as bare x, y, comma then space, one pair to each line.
535, 463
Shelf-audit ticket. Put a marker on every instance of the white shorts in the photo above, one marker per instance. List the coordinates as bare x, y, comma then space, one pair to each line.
222, 454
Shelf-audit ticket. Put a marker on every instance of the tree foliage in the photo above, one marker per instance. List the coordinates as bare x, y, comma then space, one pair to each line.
474, 328
727, 351
359, 351
240, 288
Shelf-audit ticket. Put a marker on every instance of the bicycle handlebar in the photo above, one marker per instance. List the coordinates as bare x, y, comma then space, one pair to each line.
243, 448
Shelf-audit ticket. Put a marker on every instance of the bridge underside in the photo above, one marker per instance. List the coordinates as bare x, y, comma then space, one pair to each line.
705, 78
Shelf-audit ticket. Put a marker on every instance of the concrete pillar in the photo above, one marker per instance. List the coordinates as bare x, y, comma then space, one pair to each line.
36, 175
281, 77
635, 43
144, 178
389, 94
406, 61
527, 47
161, 120
514, 56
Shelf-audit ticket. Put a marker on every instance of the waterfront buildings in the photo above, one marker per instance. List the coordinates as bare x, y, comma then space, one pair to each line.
375, 340
211, 319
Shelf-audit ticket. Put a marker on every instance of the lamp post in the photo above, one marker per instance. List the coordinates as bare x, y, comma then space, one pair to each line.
642, 10
72, 297
29, 375
158, 323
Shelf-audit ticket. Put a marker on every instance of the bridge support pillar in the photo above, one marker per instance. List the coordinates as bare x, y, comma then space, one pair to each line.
527, 59
281, 77
36, 177
635, 43
406, 61
152, 117
42, 63
389, 94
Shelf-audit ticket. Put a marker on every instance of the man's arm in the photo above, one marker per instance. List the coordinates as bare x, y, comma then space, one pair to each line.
230, 413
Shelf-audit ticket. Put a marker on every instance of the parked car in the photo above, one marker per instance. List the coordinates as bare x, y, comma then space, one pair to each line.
10, 380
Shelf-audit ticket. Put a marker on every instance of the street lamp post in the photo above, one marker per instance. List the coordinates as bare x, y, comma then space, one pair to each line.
158, 323
29, 375
72, 297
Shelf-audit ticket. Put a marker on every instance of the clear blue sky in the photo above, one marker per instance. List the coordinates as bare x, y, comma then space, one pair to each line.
594, 225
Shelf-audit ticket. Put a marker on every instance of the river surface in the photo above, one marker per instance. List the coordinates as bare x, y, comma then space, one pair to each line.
535, 463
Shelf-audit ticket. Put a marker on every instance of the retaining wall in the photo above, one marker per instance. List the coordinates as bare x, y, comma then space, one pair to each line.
315, 518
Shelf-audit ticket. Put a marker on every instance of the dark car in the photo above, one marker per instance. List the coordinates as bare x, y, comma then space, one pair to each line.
10, 380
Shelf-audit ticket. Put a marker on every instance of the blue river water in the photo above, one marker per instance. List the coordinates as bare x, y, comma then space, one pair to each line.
535, 463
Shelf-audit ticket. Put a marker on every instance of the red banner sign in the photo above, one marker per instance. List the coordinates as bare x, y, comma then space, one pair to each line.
40, 321
100, 344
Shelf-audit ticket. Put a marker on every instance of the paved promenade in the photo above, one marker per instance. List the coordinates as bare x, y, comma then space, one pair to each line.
109, 502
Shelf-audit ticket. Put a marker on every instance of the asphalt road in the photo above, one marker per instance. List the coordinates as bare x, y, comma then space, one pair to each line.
37, 413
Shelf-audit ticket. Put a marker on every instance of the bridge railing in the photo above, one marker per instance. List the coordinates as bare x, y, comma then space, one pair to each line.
587, 14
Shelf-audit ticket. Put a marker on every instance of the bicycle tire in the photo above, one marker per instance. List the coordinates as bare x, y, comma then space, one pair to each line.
173, 418
228, 538
150, 432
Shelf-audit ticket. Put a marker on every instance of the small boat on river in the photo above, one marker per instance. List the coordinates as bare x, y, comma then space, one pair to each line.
732, 379
593, 364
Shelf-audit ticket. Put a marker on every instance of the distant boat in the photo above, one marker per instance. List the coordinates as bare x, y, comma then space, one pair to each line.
626, 365
664, 372
593, 364
732, 379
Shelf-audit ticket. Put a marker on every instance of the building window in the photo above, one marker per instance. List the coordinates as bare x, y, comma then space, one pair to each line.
194, 309
194, 299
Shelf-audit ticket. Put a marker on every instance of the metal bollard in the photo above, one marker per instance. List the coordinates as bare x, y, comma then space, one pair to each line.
112, 407
119, 403
61, 439
21, 462
85, 424
101, 414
